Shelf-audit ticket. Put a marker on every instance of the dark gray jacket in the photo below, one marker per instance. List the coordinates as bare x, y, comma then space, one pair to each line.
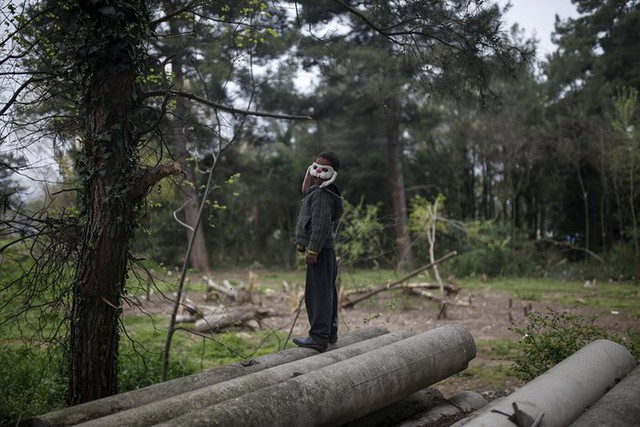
321, 208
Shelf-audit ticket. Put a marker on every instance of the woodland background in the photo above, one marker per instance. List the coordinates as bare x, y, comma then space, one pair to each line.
165, 117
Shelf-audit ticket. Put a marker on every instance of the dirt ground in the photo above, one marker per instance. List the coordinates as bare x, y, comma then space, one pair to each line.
485, 314
490, 315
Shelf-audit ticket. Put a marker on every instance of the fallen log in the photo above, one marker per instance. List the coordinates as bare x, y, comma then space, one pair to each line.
350, 303
224, 317
449, 289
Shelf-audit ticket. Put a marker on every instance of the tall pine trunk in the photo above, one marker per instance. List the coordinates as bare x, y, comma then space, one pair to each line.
396, 179
108, 171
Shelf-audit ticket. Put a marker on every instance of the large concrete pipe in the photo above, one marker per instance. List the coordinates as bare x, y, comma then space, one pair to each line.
561, 394
397, 412
347, 390
120, 402
447, 411
180, 404
620, 407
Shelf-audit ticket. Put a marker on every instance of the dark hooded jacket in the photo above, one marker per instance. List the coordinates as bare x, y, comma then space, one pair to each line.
321, 209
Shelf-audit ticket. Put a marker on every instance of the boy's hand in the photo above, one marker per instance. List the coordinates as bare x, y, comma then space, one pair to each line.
312, 257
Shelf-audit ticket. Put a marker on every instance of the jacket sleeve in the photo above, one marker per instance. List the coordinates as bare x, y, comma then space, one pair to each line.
321, 212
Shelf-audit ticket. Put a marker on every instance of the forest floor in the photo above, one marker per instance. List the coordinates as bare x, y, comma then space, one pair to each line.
488, 314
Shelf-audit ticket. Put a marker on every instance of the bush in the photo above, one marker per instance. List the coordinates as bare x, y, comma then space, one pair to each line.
488, 248
33, 382
552, 337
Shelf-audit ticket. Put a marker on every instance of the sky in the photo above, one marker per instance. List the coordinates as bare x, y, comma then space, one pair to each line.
537, 18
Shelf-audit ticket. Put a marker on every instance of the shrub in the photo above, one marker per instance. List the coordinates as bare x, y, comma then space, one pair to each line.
33, 382
551, 337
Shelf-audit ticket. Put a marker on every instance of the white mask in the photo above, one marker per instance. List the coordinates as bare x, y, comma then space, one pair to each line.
321, 171
316, 170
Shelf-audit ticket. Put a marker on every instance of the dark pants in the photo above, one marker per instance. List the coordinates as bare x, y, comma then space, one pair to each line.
321, 297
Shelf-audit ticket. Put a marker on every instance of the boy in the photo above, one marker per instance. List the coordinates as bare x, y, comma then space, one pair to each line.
321, 207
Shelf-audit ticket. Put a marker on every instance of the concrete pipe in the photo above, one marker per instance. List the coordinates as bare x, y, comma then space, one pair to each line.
399, 411
561, 394
120, 402
620, 407
347, 390
447, 411
183, 403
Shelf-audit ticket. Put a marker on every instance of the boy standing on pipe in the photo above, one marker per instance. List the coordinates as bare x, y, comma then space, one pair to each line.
321, 207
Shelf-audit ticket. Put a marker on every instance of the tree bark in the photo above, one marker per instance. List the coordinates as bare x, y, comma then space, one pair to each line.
107, 150
113, 184
396, 179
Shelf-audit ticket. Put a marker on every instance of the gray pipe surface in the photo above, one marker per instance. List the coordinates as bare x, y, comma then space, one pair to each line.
399, 411
560, 395
160, 410
347, 390
449, 410
123, 401
620, 407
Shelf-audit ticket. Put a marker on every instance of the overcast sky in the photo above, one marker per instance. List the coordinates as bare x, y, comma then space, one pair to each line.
537, 18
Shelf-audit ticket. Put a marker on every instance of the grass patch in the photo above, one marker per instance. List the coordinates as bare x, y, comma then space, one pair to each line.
609, 296
494, 376
497, 349
33, 382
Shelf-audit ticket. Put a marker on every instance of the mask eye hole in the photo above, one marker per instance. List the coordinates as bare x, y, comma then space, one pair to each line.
325, 170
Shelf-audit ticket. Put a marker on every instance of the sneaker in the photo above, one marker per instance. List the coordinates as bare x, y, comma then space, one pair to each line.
309, 342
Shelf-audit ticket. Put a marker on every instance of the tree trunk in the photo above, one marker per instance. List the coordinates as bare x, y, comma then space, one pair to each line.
396, 179
113, 184
108, 150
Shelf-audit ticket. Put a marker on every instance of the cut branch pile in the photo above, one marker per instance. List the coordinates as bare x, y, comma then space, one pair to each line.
349, 302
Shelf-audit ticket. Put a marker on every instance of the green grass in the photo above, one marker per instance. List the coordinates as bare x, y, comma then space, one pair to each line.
497, 376
497, 349
606, 296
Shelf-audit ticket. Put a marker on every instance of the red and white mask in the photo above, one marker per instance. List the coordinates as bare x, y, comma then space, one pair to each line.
316, 170
321, 171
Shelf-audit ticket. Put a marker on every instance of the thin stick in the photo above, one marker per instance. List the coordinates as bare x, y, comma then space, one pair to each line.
294, 321
350, 304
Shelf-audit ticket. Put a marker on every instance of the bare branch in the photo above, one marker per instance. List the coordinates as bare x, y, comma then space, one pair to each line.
17, 93
186, 8
226, 108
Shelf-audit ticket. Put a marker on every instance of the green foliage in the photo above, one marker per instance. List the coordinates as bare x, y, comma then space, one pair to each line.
33, 382
141, 365
141, 351
488, 249
361, 238
551, 337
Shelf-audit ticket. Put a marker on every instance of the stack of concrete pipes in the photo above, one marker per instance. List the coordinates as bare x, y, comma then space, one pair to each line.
376, 378
599, 385
370, 369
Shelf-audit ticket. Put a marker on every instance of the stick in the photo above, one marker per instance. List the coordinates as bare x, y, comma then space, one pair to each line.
294, 321
350, 304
